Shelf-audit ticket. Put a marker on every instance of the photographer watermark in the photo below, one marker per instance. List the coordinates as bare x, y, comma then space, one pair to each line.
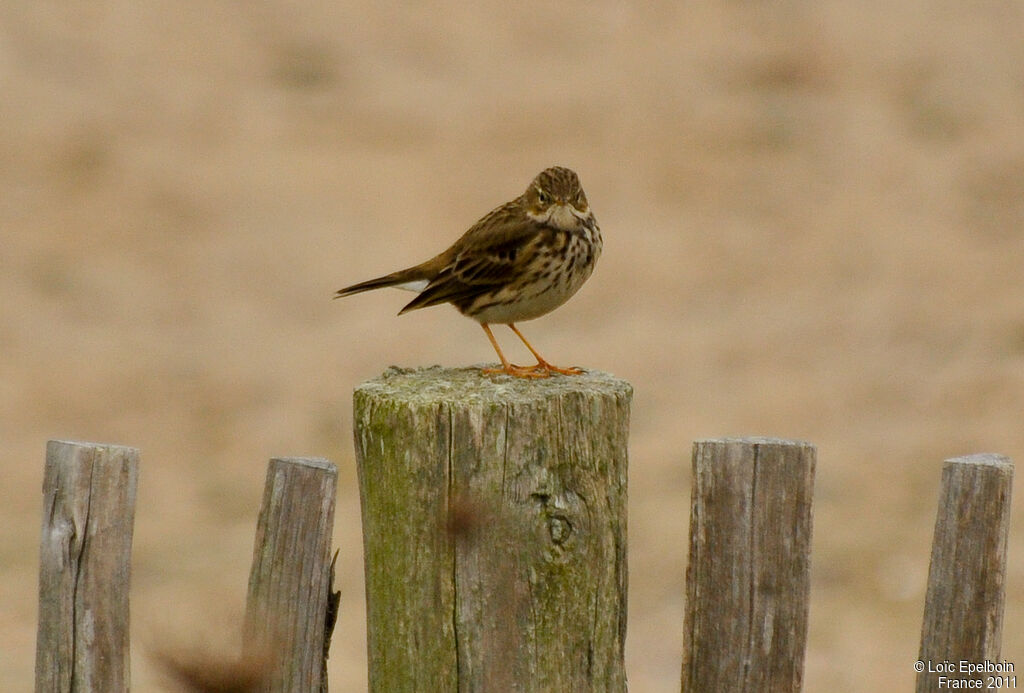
986, 674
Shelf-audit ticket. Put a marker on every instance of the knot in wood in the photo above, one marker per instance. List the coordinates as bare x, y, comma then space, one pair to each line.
559, 528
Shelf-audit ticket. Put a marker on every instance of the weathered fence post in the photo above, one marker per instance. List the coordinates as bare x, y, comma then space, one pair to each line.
290, 580
494, 524
963, 613
748, 580
84, 567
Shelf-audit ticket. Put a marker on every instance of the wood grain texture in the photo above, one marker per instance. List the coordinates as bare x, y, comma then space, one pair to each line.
82, 642
748, 579
963, 613
494, 520
290, 579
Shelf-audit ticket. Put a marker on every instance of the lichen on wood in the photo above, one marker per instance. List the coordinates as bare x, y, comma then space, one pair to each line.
494, 519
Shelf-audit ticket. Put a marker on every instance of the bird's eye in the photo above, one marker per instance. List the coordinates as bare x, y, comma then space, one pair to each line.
543, 197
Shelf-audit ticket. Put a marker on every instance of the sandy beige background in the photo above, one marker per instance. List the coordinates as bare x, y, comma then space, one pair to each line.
813, 218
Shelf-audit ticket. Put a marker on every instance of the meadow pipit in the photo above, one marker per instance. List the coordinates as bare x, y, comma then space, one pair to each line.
521, 261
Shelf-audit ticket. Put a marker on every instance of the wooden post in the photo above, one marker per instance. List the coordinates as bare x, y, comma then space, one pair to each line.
84, 567
494, 524
748, 579
963, 613
290, 580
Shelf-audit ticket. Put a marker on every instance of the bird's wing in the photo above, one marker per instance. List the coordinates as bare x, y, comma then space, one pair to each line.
487, 257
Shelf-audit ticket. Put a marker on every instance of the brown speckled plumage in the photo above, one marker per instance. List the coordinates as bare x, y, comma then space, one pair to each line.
520, 261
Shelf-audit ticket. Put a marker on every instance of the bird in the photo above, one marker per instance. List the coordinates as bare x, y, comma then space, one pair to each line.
520, 261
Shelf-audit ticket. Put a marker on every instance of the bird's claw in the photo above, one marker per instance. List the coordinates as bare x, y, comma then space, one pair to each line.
539, 370
517, 372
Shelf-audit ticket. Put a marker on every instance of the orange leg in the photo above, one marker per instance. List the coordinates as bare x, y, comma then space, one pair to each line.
509, 368
543, 365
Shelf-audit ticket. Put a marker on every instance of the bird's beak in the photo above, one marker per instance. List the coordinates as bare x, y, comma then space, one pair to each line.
562, 215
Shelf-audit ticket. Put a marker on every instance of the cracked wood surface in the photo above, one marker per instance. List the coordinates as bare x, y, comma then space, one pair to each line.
494, 520
748, 579
82, 642
963, 614
290, 578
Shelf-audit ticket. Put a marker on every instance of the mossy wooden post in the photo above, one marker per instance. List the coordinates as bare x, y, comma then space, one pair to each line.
290, 579
748, 580
84, 567
963, 612
494, 524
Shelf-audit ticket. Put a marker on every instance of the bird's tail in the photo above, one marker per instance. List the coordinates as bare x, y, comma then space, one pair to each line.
412, 279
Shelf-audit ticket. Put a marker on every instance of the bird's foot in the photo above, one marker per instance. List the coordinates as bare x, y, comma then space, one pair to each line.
518, 371
545, 366
538, 370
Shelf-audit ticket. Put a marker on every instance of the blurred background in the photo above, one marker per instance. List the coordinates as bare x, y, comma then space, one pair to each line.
813, 217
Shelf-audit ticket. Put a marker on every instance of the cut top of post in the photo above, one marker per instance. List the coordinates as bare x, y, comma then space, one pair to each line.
754, 440
122, 449
310, 462
437, 384
982, 459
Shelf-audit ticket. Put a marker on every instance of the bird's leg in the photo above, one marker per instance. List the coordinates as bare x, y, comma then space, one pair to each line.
541, 363
509, 368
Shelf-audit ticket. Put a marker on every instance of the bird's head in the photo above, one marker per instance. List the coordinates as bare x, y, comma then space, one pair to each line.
556, 198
